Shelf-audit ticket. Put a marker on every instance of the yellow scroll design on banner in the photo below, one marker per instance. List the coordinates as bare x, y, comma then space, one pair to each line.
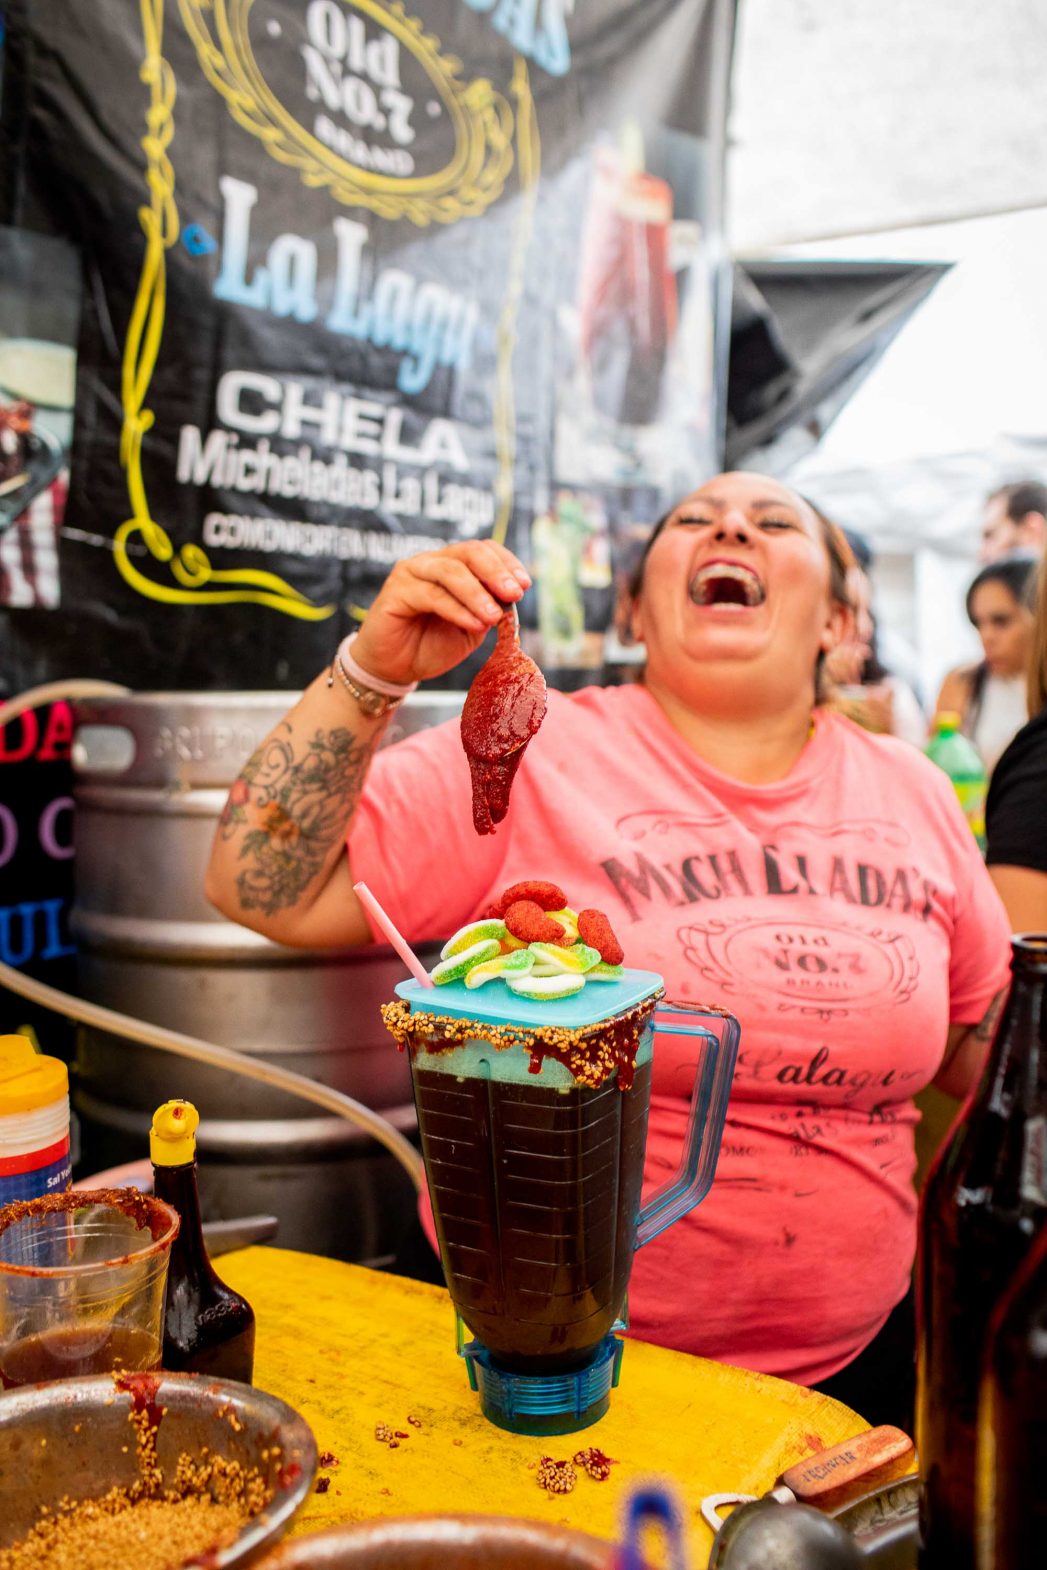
530, 161
481, 119
189, 566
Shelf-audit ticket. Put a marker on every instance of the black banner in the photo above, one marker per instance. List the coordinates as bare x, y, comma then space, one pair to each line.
362, 278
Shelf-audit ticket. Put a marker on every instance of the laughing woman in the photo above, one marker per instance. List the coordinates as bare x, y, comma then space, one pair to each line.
750, 845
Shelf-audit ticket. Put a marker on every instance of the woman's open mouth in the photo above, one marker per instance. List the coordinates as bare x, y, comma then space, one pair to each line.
728, 585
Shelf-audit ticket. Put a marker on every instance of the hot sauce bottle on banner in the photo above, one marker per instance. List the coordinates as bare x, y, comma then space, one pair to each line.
984, 1199
208, 1328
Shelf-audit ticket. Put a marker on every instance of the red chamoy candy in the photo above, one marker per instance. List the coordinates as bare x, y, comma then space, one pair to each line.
548, 896
503, 708
595, 930
528, 922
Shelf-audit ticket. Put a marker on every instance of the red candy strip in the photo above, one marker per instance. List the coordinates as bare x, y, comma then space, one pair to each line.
595, 930
547, 896
526, 920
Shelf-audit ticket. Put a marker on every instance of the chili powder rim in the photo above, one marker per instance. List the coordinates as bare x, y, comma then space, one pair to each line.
97, 1197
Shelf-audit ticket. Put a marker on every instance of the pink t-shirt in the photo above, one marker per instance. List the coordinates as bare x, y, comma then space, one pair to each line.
843, 914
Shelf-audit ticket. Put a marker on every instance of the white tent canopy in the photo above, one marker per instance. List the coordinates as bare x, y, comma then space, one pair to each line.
856, 115
956, 407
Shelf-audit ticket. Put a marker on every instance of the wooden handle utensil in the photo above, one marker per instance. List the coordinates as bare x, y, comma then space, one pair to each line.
833, 1477
878, 1456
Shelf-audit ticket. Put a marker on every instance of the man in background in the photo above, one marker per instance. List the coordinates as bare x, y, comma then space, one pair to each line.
1015, 520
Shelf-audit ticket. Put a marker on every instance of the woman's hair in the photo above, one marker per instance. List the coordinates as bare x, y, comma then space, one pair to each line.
1037, 682
841, 564
1016, 572
634, 582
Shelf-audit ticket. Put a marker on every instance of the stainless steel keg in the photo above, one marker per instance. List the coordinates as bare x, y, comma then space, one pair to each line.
152, 773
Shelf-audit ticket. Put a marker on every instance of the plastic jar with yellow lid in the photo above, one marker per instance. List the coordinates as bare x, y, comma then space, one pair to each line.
34, 1122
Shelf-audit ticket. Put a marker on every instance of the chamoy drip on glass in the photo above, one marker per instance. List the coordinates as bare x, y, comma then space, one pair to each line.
531, 1064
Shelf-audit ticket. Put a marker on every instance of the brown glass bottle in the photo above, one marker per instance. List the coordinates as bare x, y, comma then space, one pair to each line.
983, 1200
1012, 1425
208, 1328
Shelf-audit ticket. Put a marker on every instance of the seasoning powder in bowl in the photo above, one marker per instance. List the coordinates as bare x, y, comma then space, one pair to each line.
158, 1522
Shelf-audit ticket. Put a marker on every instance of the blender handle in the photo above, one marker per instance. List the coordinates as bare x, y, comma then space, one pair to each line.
693, 1178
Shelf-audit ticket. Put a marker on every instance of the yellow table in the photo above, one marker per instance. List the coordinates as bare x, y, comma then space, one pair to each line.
349, 1348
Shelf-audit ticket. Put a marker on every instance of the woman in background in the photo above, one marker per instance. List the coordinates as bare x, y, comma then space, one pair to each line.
1016, 811
990, 697
866, 691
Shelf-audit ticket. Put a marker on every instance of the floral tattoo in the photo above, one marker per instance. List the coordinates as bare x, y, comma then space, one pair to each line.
294, 810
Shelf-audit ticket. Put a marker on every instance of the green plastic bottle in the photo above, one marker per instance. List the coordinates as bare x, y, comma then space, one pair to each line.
959, 757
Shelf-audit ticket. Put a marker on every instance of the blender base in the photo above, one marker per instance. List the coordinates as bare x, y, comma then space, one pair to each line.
544, 1404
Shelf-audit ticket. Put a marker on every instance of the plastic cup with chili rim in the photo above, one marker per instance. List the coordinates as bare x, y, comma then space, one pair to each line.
82, 1278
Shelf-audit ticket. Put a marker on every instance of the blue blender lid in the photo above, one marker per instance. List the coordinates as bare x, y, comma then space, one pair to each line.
494, 1004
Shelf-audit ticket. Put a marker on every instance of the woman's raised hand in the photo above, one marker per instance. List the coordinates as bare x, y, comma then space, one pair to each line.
435, 608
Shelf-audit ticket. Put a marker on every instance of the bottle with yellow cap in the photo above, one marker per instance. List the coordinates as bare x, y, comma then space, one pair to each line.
34, 1122
208, 1328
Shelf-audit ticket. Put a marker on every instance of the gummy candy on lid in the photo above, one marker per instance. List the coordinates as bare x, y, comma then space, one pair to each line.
497, 1006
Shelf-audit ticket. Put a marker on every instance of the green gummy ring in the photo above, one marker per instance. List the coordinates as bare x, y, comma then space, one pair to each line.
605, 972
517, 962
545, 987
459, 965
473, 932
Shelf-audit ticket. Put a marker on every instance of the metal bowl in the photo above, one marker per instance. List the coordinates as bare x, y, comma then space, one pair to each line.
452, 1542
72, 1438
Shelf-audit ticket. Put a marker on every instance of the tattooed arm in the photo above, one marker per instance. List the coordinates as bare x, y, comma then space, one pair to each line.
278, 863
965, 1050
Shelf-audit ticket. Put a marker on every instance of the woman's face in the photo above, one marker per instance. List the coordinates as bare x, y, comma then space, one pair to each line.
738, 583
1004, 626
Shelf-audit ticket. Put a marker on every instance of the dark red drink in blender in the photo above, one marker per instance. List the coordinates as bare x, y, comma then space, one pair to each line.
533, 1122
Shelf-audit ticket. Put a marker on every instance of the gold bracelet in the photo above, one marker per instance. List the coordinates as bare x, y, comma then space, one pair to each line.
376, 704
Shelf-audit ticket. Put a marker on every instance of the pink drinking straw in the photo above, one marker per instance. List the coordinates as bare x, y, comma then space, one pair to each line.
396, 938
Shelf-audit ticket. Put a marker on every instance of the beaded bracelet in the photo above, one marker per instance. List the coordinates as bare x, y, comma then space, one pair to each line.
375, 696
